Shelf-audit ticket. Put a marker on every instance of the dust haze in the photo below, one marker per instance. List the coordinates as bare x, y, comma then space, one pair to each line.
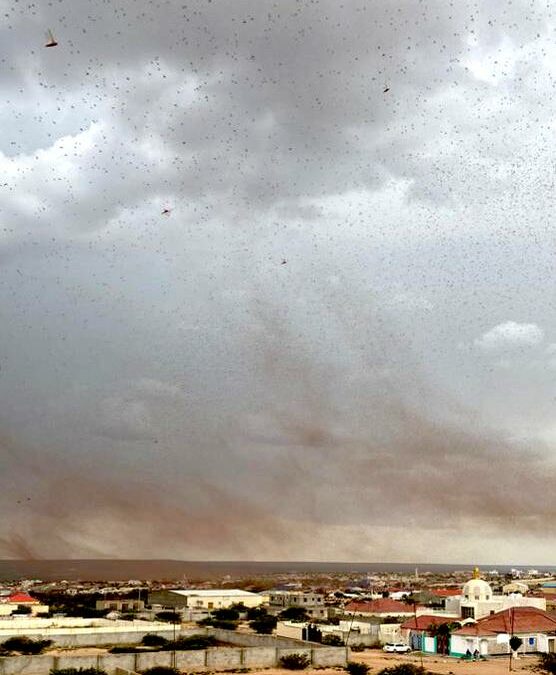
274, 281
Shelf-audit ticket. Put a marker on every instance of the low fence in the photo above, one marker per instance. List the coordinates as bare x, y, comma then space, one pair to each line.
212, 659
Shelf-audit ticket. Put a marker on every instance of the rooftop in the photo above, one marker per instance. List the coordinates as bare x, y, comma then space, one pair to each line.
215, 593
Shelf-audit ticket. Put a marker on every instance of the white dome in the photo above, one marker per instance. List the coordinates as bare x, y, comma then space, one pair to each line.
477, 589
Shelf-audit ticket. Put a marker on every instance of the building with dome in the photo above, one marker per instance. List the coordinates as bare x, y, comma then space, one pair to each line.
477, 600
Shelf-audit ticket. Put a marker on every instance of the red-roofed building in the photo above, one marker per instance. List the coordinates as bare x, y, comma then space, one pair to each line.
19, 598
21, 603
382, 607
490, 635
445, 592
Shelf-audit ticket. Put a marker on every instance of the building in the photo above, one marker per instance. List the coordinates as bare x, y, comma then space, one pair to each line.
477, 600
381, 608
549, 587
421, 633
312, 603
491, 634
206, 599
120, 605
21, 603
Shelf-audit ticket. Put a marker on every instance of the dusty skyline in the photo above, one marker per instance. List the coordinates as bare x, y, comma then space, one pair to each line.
276, 280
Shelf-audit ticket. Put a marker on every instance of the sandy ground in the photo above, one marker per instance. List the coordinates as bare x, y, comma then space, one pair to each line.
445, 665
377, 660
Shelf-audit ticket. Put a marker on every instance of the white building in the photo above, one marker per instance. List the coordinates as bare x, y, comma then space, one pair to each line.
202, 599
477, 600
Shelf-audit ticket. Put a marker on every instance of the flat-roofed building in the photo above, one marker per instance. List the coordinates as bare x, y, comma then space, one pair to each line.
206, 599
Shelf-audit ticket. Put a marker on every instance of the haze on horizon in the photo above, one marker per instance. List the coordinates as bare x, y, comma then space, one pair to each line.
339, 343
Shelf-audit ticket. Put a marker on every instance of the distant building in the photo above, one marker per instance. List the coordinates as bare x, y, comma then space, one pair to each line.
312, 603
120, 605
206, 599
381, 608
549, 587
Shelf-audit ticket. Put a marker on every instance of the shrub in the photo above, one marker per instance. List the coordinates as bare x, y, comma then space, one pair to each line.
332, 640
153, 640
192, 642
356, 668
295, 661
548, 663
77, 671
226, 614
123, 649
404, 669
171, 617
264, 625
26, 645
359, 647
161, 670
226, 625
294, 614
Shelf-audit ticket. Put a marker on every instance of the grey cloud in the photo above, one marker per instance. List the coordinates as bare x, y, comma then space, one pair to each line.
175, 362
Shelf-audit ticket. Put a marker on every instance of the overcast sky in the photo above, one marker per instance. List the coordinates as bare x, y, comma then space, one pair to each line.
277, 280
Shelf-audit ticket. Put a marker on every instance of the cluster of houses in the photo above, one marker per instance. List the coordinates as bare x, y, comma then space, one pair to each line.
470, 619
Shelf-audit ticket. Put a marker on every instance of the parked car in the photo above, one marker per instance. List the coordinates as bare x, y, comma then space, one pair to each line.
399, 647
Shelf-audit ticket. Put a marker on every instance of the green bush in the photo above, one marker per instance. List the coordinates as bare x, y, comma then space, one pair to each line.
332, 640
295, 661
294, 614
171, 617
77, 671
356, 668
226, 614
124, 649
26, 645
404, 669
191, 642
359, 647
153, 640
264, 625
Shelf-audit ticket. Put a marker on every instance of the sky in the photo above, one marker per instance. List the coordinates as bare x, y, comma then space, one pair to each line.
277, 280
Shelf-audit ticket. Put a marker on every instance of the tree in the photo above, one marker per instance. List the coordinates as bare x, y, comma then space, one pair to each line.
264, 625
294, 614
226, 614
254, 613
515, 643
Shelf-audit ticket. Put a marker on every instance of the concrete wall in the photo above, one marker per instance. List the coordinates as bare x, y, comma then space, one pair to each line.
255, 640
86, 639
213, 659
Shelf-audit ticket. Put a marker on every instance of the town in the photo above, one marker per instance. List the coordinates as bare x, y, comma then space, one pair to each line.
281, 620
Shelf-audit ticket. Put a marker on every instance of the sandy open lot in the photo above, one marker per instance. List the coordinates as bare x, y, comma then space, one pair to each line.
445, 665
377, 660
